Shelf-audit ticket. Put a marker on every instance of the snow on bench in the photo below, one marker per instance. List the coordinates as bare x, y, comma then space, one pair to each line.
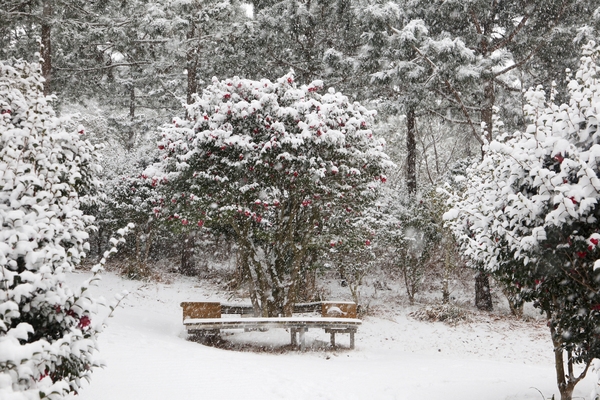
336, 317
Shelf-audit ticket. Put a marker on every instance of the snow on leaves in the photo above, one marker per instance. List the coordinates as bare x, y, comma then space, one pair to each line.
47, 332
272, 161
530, 212
258, 139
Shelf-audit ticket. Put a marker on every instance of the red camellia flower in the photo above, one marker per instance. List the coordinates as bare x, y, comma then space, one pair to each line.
559, 158
227, 95
367, 242
581, 254
594, 241
383, 179
161, 147
184, 221
84, 322
200, 224
573, 200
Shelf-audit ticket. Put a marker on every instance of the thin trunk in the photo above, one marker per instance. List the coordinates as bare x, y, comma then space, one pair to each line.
483, 297
411, 149
447, 268
566, 380
46, 44
487, 111
188, 265
131, 138
148, 245
192, 65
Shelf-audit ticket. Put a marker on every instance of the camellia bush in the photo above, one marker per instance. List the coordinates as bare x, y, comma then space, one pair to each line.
530, 215
47, 331
272, 162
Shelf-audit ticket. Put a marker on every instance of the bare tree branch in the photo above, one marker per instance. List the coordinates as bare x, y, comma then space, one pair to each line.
454, 121
512, 35
104, 67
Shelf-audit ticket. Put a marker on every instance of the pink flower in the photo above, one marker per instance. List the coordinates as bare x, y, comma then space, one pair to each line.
367, 242
184, 221
200, 224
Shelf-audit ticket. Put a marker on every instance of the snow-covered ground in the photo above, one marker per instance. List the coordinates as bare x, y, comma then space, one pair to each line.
396, 356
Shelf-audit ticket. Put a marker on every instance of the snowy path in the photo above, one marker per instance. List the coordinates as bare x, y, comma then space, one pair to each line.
148, 358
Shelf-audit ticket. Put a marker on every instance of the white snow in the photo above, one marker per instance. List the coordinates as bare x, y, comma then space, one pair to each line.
396, 356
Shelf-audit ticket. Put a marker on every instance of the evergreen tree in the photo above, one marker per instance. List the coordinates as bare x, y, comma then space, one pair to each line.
530, 216
270, 161
47, 331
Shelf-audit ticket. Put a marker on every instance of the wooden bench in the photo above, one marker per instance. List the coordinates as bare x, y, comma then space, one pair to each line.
336, 317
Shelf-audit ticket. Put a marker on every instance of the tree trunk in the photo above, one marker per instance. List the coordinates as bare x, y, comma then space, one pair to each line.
483, 297
447, 269
131, 138
566, 380
192, 64
46, 44
487, 110
411, 150
188, 265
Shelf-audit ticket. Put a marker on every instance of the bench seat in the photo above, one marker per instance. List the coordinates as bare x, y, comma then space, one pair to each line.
281, 322
336, 317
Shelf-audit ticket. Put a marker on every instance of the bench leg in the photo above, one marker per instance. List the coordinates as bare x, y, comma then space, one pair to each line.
302, 339
332, 336
293, 335
352, 340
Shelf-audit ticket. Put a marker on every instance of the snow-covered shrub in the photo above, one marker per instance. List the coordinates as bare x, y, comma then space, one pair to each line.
47, 331
447, 313
271, 162
530, 215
